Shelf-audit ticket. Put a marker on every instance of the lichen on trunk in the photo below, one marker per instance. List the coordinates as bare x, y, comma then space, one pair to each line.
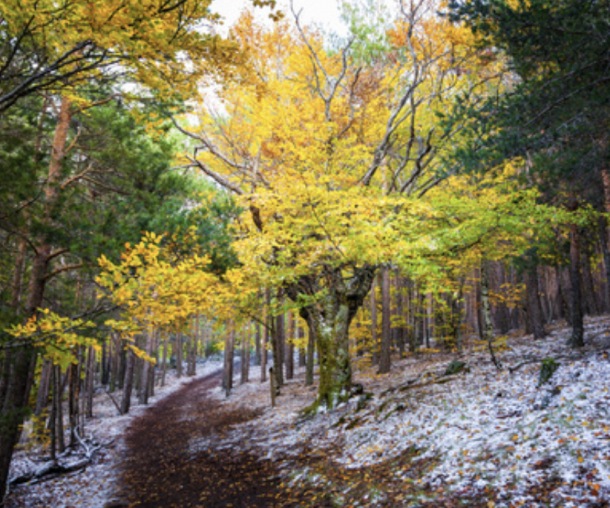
333, 299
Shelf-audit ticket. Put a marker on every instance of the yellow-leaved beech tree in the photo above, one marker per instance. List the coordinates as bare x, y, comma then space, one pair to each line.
331, 160
166, 46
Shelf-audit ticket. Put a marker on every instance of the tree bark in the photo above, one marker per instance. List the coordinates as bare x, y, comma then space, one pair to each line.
577, 337
603, 240
375, 357
339, 299
227, 373
534, 309
44, 388
290, 347
257, 345
486, 313
245, 355
128, 382
74, 399
385, 359
145, 373
278, 348
311, 348
399, 331
178, 347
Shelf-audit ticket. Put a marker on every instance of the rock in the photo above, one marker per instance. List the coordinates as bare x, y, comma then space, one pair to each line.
455, 367
547, 369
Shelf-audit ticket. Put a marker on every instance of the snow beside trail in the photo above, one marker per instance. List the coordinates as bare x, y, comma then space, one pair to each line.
486, 431
95, 486
483, 431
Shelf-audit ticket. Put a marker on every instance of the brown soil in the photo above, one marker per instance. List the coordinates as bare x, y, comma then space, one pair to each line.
165, 467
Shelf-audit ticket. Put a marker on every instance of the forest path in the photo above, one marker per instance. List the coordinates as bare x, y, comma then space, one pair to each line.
171, 460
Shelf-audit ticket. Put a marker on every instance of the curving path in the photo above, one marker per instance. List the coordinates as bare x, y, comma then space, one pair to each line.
171, 461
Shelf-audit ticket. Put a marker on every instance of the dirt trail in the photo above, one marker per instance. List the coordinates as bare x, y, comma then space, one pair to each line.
171, 460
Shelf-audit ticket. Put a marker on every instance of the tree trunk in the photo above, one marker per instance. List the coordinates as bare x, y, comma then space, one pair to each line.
375, 357
486, 312
44, 388
145, 373
194, 340
164, 361
302, 349
278, 349
590, 298
290, 346
385, 359
330, 317
73, 401
399, 331
18, 273
603, 240
178, 346
257, 345
245, 354
59, 413
89, 382
577, 337
311, 347
128, 382
534, 309
227, 373
264, 343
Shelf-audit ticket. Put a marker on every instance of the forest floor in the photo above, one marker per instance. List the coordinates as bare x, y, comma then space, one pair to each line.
96, 485
414, 438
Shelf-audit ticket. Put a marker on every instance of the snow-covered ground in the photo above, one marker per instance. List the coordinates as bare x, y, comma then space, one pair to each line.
96, 485
482, 432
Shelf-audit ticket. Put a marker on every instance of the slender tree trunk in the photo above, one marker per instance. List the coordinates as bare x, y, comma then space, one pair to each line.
385, 359
399, 328
577, 337
164, 361
128, 382
114, 366
227, 374
59, 428
145, 373
192, 364
603, 240
486, 313
18, 273
257, 345
278, 349
89, 382
302, 349
44, 388
245, 354
290, 347
375, 357
73, 401
311, 346
53, 415
122, 364
178, 353
264, 351
590, 298
534, 309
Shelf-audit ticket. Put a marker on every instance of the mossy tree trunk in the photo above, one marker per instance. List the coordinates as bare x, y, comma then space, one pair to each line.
338, 294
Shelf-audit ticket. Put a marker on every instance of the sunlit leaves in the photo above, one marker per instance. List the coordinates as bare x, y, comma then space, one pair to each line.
58, 338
